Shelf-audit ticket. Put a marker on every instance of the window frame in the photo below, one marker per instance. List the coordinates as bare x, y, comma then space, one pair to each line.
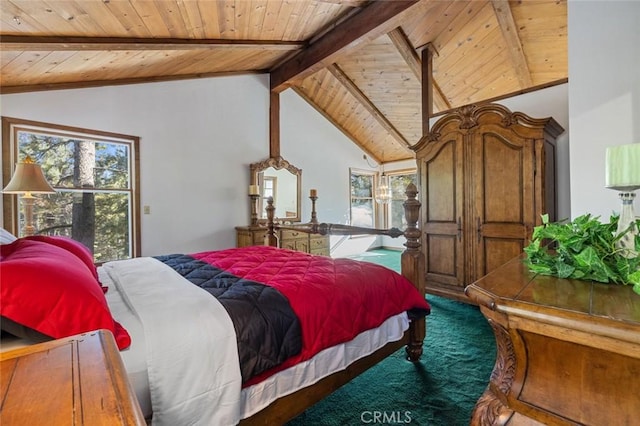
387, 208
373, 174
11, 208
272, 187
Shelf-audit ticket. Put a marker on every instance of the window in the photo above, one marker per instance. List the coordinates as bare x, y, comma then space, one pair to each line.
96, 181
398, 182
362, 205
269, 187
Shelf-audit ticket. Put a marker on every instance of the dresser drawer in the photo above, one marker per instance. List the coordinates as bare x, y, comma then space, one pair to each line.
321, 251
288, 244
300, 244
250, 236
258, 238
244, 238
289, 234
290, 239
319, 242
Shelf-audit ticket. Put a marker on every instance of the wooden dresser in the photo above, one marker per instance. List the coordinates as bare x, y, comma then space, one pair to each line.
78, 380
486, 177
288, 239
568, 351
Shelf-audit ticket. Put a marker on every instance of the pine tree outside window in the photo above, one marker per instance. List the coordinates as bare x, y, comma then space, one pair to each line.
96, 181
398, 181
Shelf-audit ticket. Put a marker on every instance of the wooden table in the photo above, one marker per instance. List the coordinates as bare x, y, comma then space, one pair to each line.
78, 380
568, 351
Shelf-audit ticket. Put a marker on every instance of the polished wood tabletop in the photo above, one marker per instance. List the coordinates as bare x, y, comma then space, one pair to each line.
514, 284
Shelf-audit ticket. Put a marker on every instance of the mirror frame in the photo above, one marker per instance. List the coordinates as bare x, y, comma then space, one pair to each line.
278, 163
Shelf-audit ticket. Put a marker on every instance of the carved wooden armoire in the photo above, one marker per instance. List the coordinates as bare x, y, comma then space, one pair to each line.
486, 175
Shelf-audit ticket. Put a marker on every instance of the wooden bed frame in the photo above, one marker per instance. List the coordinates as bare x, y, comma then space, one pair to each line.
412, 261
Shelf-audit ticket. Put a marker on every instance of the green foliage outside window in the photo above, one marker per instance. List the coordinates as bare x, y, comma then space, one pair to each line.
93, 199
362, 213
399, 185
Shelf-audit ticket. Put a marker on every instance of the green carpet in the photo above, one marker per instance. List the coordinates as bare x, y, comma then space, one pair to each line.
442, 389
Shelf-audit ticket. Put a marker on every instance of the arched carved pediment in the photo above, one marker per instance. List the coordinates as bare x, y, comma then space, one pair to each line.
470, 116
275, 162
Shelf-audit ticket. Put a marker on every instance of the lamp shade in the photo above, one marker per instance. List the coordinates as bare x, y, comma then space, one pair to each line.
28, 177
623, 167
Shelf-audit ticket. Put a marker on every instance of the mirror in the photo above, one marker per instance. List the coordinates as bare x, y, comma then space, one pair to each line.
277, 178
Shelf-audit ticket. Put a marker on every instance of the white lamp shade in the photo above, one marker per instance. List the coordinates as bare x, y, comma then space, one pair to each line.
623, 167
28, 177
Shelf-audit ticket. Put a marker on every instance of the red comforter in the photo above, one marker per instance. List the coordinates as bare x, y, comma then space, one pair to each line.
335, 299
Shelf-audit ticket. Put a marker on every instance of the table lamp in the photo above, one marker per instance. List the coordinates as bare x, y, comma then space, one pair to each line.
623, 174
28, 179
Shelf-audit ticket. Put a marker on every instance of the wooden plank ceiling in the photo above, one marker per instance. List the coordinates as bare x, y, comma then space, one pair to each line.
357, 62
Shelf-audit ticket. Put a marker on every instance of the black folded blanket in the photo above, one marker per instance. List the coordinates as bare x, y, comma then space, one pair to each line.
267, 330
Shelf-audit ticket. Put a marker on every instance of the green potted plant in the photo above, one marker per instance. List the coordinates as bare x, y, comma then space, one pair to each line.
583, 249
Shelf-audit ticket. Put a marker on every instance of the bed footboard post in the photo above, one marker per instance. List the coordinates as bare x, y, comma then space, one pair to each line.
270, 238
413, 268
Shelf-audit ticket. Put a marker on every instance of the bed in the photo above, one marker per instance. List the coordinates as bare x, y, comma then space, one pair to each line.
192, 358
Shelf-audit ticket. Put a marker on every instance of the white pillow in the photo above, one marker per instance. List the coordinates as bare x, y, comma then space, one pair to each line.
6, 237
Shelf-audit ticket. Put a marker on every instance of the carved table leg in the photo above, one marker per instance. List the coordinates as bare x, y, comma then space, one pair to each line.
490, 409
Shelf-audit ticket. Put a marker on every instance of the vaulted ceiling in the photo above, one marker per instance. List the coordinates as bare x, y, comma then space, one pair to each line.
361, 64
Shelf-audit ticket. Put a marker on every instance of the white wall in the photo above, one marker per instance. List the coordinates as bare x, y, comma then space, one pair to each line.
551, 102
325, 155
604, 96
311, 142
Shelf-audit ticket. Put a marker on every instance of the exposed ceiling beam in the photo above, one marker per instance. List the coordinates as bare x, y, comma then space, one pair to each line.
54, 43
366, 103
274, 125
331, 120
374, 20
406, 50
514, 45
352, 3
427, 89
5, 90
410, 56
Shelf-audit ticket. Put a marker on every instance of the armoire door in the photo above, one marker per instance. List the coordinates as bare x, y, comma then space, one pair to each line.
501, 200
442, 183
